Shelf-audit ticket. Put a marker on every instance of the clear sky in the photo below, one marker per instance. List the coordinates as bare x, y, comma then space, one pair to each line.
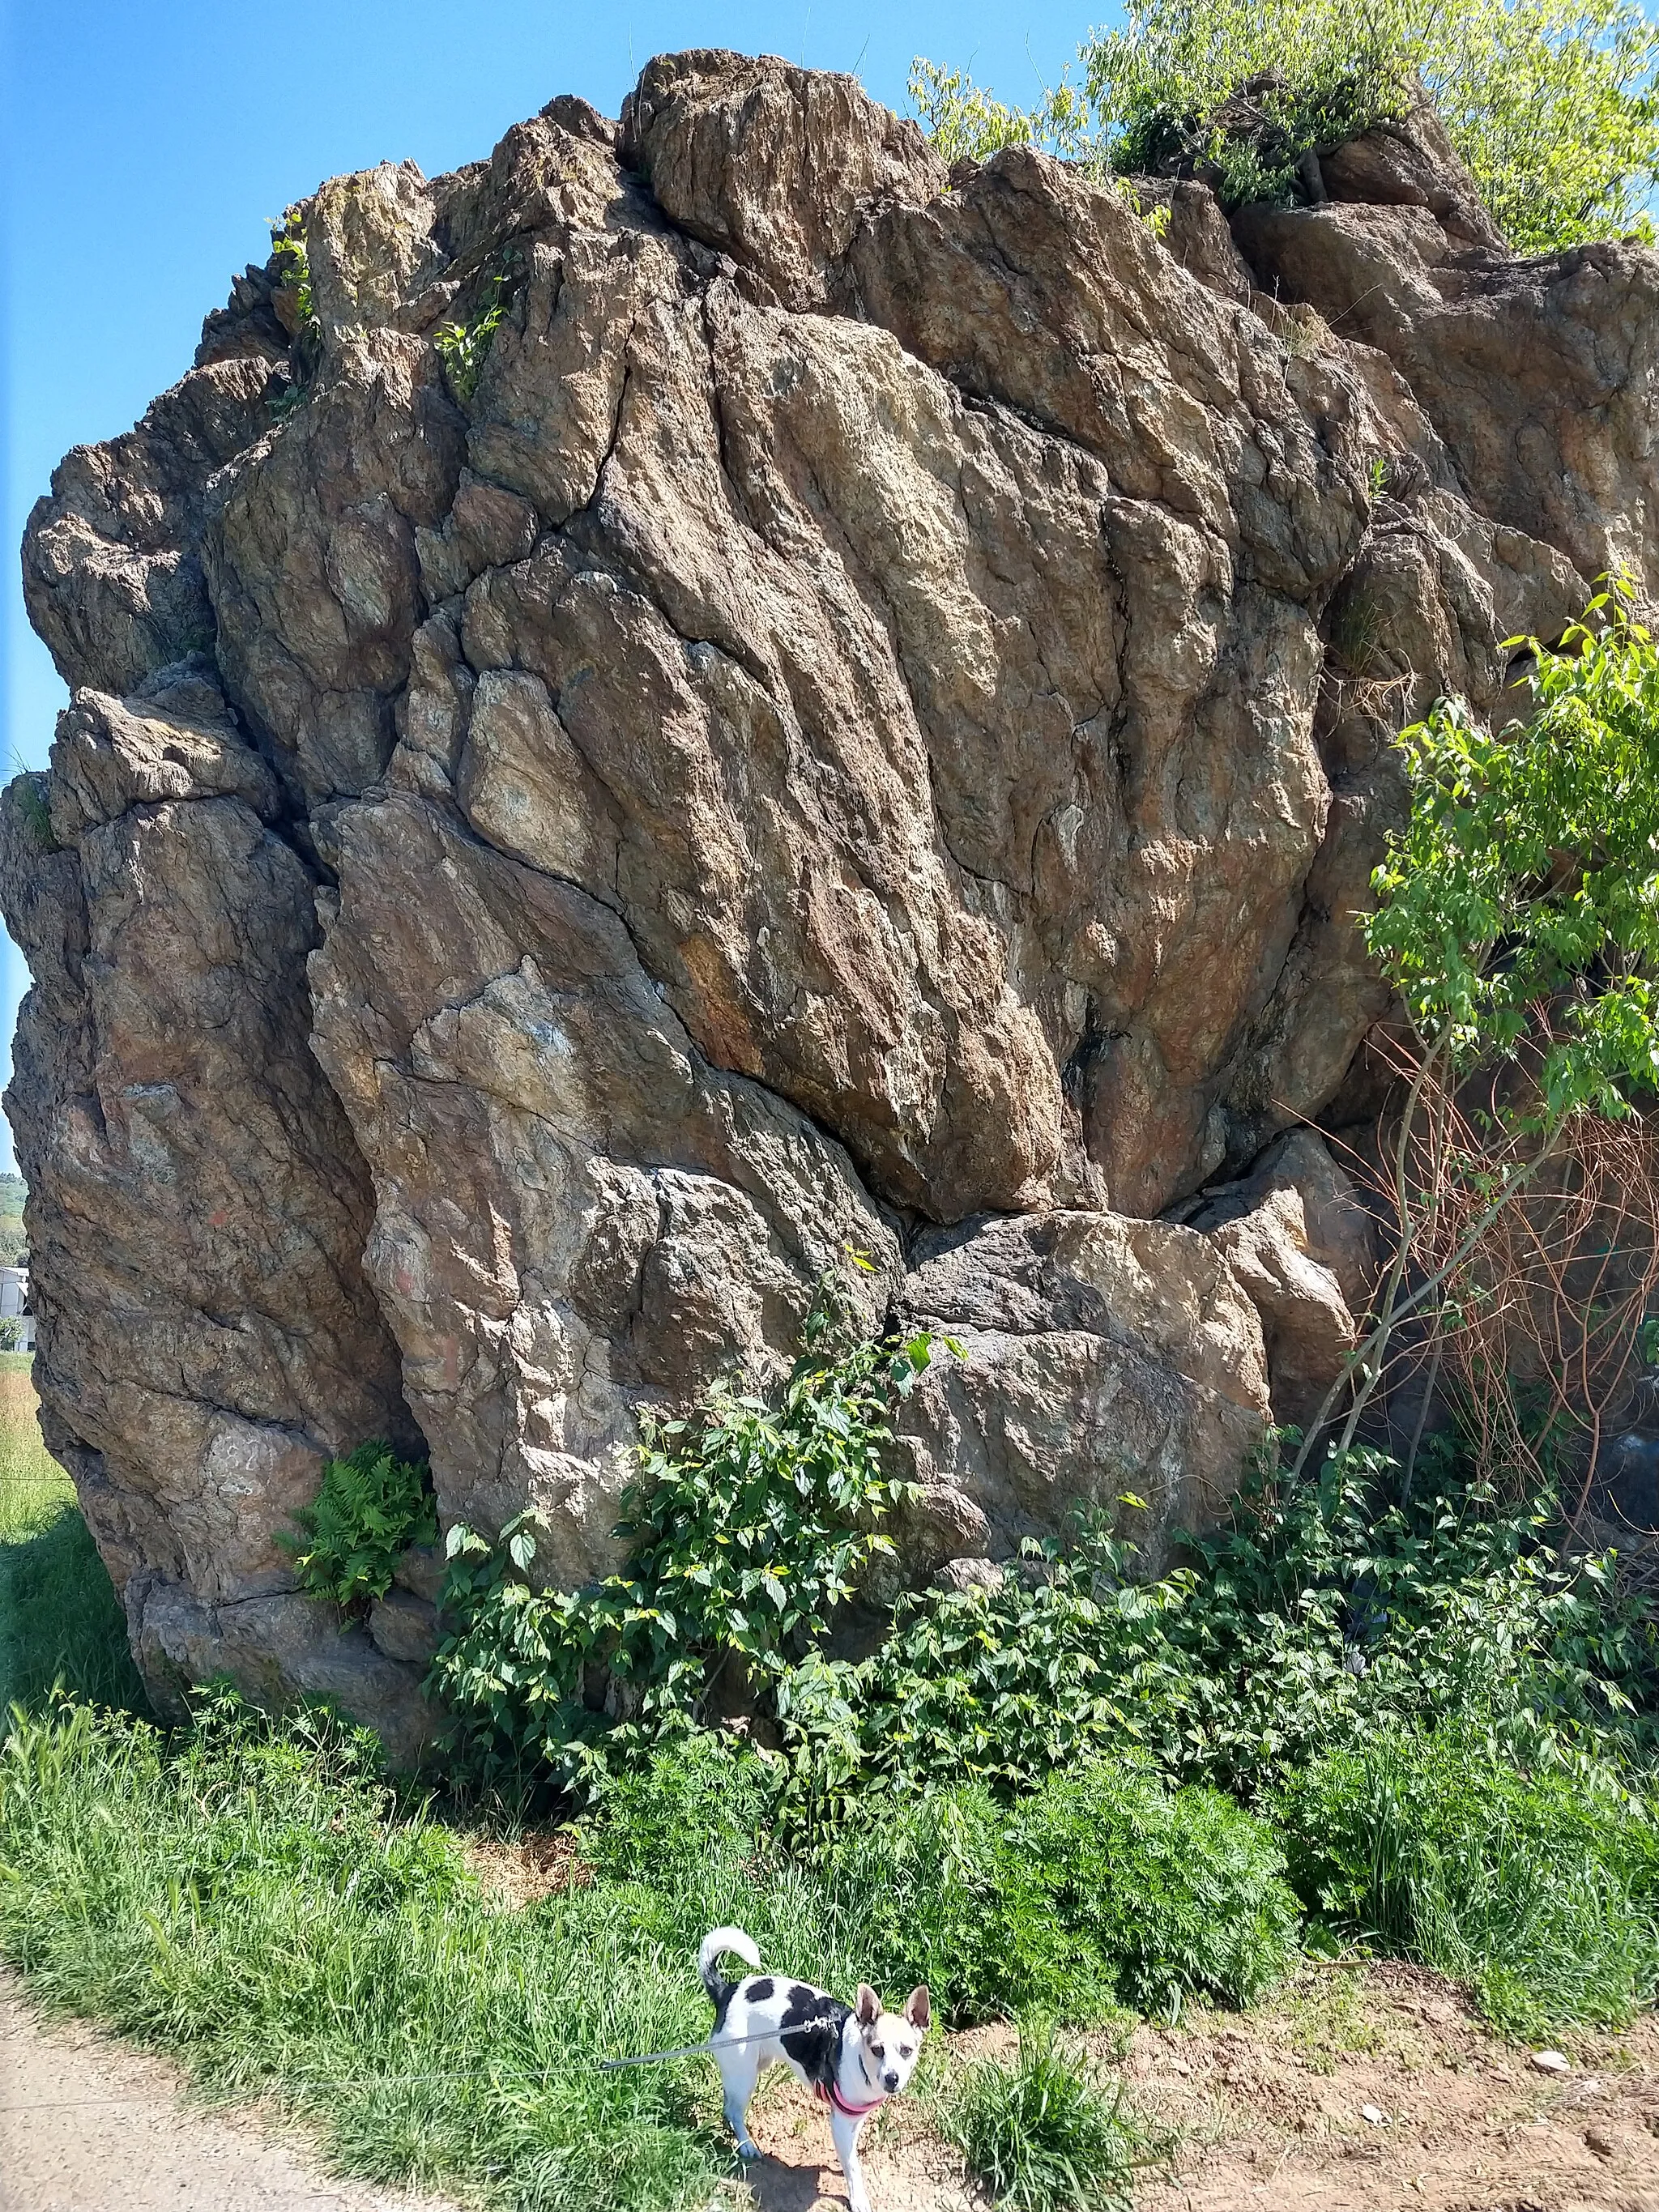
145, 142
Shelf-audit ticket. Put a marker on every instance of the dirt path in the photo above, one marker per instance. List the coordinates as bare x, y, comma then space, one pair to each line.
1360, 2090
89, 2124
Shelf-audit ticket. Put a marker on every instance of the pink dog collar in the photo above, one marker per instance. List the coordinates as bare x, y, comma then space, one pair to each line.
832, 2096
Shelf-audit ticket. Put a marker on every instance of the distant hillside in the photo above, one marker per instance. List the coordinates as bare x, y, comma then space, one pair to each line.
13, 1191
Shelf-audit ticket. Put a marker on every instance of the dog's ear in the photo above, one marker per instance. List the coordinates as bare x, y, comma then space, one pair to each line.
917, 2009
868, 2007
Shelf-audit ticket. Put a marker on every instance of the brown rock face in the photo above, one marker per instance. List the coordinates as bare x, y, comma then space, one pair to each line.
866, 726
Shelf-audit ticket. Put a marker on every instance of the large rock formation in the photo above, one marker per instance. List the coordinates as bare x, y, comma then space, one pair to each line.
865, 726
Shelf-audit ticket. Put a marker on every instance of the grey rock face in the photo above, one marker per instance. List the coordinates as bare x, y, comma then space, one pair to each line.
866, 726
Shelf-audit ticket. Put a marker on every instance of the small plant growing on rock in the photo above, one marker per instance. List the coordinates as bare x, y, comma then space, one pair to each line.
371, 1507
29, 792
290, 268
463, 347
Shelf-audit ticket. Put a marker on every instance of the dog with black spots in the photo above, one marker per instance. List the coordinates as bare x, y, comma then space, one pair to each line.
851, 2058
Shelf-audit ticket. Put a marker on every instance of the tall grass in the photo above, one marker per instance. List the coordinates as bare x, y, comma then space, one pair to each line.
247, 1896
1044, 2135
60, 1621
1542, 1895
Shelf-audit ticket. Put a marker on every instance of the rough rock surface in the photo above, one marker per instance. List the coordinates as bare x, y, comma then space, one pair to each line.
866, 727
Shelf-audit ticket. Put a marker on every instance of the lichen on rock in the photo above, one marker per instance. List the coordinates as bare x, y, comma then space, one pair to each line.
864, 724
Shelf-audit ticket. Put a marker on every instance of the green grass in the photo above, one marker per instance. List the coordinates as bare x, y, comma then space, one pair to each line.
60, 1621
1043, 2134
1542, 1895
246, 1896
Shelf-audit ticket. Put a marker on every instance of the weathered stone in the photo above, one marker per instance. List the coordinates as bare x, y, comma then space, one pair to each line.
769, 163
1538, 375
205, 1336
1101, 1358
866, 725
1412, 163
404, 1627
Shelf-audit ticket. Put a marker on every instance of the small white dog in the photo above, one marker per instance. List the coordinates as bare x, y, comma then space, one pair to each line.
852, 2058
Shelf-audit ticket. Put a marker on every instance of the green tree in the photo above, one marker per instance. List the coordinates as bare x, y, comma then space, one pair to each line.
1518, 919
1550, 102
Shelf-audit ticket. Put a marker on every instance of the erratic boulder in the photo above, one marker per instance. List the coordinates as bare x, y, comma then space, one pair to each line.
864, 723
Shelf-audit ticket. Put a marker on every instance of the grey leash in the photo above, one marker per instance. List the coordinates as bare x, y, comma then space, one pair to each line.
709, 2046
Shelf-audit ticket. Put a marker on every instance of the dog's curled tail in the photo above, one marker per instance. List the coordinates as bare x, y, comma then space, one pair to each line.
712, 1949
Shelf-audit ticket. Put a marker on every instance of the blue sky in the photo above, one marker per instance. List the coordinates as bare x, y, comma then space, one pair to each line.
146, 141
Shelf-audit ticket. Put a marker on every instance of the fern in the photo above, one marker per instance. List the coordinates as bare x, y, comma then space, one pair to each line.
371, 1507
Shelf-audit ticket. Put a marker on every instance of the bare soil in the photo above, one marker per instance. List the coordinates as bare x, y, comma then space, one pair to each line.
1270, 2109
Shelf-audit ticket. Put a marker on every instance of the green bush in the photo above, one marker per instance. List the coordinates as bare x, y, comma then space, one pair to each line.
1179, 1892
1544, 1896
1043, 2134
370, 1507
1319, 1614
747, 1527
1550, 102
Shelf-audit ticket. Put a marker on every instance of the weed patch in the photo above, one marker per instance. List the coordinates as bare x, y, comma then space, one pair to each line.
1043, 2134
1540, 1895
370, 1508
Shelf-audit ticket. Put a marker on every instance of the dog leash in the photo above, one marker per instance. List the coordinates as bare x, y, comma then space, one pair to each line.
709, 2046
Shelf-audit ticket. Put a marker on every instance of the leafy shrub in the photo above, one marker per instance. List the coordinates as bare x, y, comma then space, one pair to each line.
290, 266
463, 347
746, 1528
370, 1507
1321, 1613
960, 119
1043, 2135
1543, 1894
1479, 921
1096, 1890
1550, 102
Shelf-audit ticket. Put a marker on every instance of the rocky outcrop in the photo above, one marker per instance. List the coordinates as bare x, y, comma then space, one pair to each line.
862, 724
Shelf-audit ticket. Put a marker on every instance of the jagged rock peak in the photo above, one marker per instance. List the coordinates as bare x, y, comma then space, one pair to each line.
705, 693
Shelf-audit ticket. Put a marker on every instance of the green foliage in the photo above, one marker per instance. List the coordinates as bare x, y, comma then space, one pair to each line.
962, 121
1101, 1888
1543, 1894
1044, 2135
290, 266
370, 1507
60, 1619
30, 794
247, 1895
1550, 102
1321, 1613
1527, 870
463, 347
747, 1526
